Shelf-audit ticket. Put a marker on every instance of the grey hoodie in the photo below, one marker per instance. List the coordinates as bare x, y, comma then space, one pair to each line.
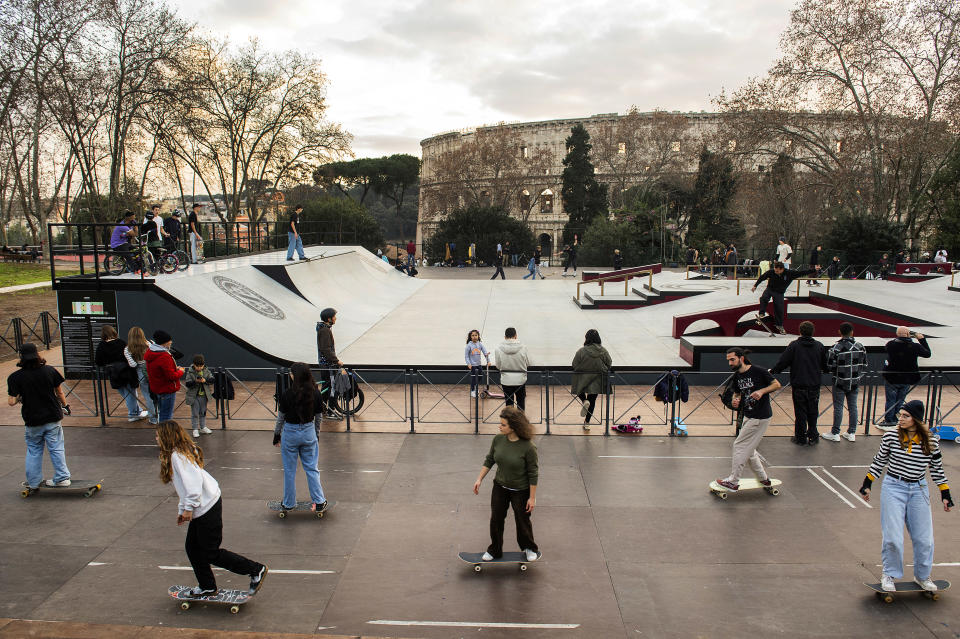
512, 360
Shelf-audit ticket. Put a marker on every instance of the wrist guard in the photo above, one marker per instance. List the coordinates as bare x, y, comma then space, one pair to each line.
945, 496
867, 483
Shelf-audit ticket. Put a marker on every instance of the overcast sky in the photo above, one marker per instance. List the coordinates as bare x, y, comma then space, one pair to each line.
403, 70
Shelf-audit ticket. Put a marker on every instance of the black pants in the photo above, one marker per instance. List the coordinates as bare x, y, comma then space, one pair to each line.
500, 500
591, 401
499, 272
806, 408
518, 392
204, 535
777, 305
571, 263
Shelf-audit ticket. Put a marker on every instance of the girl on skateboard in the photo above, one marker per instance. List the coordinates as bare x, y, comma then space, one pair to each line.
298, 422
906, 453
515, 483
181, 461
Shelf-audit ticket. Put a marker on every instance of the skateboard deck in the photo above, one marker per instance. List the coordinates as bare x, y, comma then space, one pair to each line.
908, 586
746, 484
512, 557
762, 322
85, 486
302, 506
232, 598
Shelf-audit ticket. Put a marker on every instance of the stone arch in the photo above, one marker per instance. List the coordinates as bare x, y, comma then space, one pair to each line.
546, 201
545, 241
524, 200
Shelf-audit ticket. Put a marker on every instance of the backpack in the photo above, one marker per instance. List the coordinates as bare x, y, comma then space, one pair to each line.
215, 393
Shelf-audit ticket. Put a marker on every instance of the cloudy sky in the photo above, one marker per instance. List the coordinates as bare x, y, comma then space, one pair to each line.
403, 70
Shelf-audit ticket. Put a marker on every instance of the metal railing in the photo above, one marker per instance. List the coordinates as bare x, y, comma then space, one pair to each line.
19, 331
626, 277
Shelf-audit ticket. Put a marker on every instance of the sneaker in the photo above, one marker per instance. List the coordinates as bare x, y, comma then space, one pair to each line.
584, 410
533, 556
586, 425
134, 418
58, 484
927, 584
196, 433
318, 508
850, 437
831, 436
197, 591
781, 330
813, 441
487, 557
473, 393
332, 416
257, 580
290, 259
766, 483
205, 430
886, 582
729, 485
799, 441
144, 414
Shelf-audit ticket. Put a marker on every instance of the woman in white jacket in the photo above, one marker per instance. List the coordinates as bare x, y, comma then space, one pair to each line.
512, 360
181, 461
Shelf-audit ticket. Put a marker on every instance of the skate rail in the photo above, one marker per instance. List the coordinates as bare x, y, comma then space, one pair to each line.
625, 277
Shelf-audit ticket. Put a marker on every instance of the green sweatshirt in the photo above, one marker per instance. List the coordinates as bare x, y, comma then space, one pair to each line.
517, 465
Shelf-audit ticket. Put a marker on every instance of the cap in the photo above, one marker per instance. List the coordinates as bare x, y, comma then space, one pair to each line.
915, 408
150, 215
176, 213
28, 352
161, 337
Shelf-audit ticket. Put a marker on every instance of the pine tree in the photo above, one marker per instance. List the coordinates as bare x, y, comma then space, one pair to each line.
584, 199
714, 188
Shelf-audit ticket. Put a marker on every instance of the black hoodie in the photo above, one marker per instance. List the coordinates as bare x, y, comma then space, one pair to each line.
779, 283
806, 358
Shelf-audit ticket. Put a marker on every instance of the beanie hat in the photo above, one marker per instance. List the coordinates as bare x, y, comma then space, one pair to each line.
161, 337
915, 408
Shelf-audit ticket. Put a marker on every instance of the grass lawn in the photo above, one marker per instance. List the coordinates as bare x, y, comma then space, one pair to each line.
12, 274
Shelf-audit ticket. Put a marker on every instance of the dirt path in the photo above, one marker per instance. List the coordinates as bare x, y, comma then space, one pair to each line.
27, 305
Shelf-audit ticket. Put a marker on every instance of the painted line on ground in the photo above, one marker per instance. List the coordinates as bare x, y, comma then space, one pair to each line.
846, 488
273, 571
98, 563
477, 624
799, 467
658, 457
141, 445
867, 466
830, 488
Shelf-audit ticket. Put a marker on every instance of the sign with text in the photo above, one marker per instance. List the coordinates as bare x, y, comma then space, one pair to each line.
82, 316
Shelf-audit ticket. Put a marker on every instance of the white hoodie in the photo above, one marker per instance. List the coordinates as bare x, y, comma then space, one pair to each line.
197, 489
512, 360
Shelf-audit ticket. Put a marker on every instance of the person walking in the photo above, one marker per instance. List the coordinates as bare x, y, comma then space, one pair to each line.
294, 239
571, 252
198, 380
411, 255
498, 263
807, 360
531, 269
778, 279
122, 377
328, 360
784, 253
296, 434
134, 352
748, 392
907, 453
591, 364
514, 485
163, 374
901, 371
846, 362
36, 387
472, 354
513, 360
537, 255
196, 237
201, 508
815, 265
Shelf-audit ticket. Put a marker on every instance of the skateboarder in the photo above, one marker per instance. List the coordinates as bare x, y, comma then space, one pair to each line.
748, 391
512, 360
181, 461
295, 433
498, 263
327, 358
37, 387
514, 485
779, 278
294, 240
807, 360
906, 453
472, 353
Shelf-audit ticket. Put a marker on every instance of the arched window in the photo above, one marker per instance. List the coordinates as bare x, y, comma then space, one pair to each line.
525, 201
546, 201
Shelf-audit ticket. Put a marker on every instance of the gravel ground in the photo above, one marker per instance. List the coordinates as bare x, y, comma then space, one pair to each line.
28, 306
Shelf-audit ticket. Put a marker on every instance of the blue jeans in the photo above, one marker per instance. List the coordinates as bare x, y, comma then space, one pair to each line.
905, 502
896, 395
532, 274
129, 395
514, 258
36, 436
165, 404
145, 391
299, 441
839, 395
411, 261
295, 243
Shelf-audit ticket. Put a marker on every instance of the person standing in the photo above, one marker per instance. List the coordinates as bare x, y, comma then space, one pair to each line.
510, 254
498, 263
815, 265
298, 422
571, 258
411, 255
294, 240
152, 228
328, 360
134, 353
730, 259
846, 362
779, 278
163, 373
807, 360
834, 269
122, 377
537, 254
513, 360
201, 508
472, 354
37, 387
691, 256
884, 267
907, 453
901, 371
172, 228
591, 364
515, 483
617, 260
748, 392
784, 253
196, 237
198, 380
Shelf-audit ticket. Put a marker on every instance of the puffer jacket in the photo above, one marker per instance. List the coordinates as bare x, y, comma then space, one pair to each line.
590, 367
192, 381
512, 360
162, 371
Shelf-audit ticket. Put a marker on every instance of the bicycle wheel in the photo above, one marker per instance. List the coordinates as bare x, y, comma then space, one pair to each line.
183, 262
168, 263
113, 264
347, 406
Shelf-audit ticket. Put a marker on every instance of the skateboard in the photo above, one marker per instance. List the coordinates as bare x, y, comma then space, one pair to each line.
908, 586
302, 506
85, 486
512, 557
762, 322
232, 598
746, 484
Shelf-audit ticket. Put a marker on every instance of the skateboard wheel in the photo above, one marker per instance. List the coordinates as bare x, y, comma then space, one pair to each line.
523, 567
90, 492
722, 495
185, 605
888, 598
25, 493
234, 609
281, 514
320, 515
477, 568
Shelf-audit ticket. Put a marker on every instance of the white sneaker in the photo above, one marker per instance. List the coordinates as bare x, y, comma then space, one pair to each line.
196, 433
584, 410
487, 557
927, 584
532, 556
59, 484
886, 582
850, 437
134, 419
473, 393
205, 430
832, 437
144, 414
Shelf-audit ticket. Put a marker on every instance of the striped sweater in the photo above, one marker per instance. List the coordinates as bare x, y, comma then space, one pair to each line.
908, 463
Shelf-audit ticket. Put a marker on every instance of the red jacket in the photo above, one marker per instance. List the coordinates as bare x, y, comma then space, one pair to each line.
162, 372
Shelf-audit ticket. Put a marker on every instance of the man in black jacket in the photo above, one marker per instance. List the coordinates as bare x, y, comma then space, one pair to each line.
807, 360
901, 372
779, 279
815, 265
327, 358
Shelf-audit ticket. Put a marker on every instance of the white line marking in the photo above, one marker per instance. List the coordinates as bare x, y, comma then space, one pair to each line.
272, 570
867, 466
657, 457
141, 445
98, 563
830, 488
846, 488
476, 624
802, 467
371, 471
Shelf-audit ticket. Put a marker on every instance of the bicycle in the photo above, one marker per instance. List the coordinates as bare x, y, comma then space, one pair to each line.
140, 260
183, 262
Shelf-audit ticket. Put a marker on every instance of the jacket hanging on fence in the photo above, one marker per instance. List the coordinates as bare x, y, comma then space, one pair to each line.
666, 394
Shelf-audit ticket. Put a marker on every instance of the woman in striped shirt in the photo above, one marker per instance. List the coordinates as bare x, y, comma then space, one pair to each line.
906, 453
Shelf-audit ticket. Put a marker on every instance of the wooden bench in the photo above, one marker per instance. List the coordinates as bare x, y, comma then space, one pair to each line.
19, 257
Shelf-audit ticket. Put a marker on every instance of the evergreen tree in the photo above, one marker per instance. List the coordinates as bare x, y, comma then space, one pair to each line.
584, 199
713, 190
